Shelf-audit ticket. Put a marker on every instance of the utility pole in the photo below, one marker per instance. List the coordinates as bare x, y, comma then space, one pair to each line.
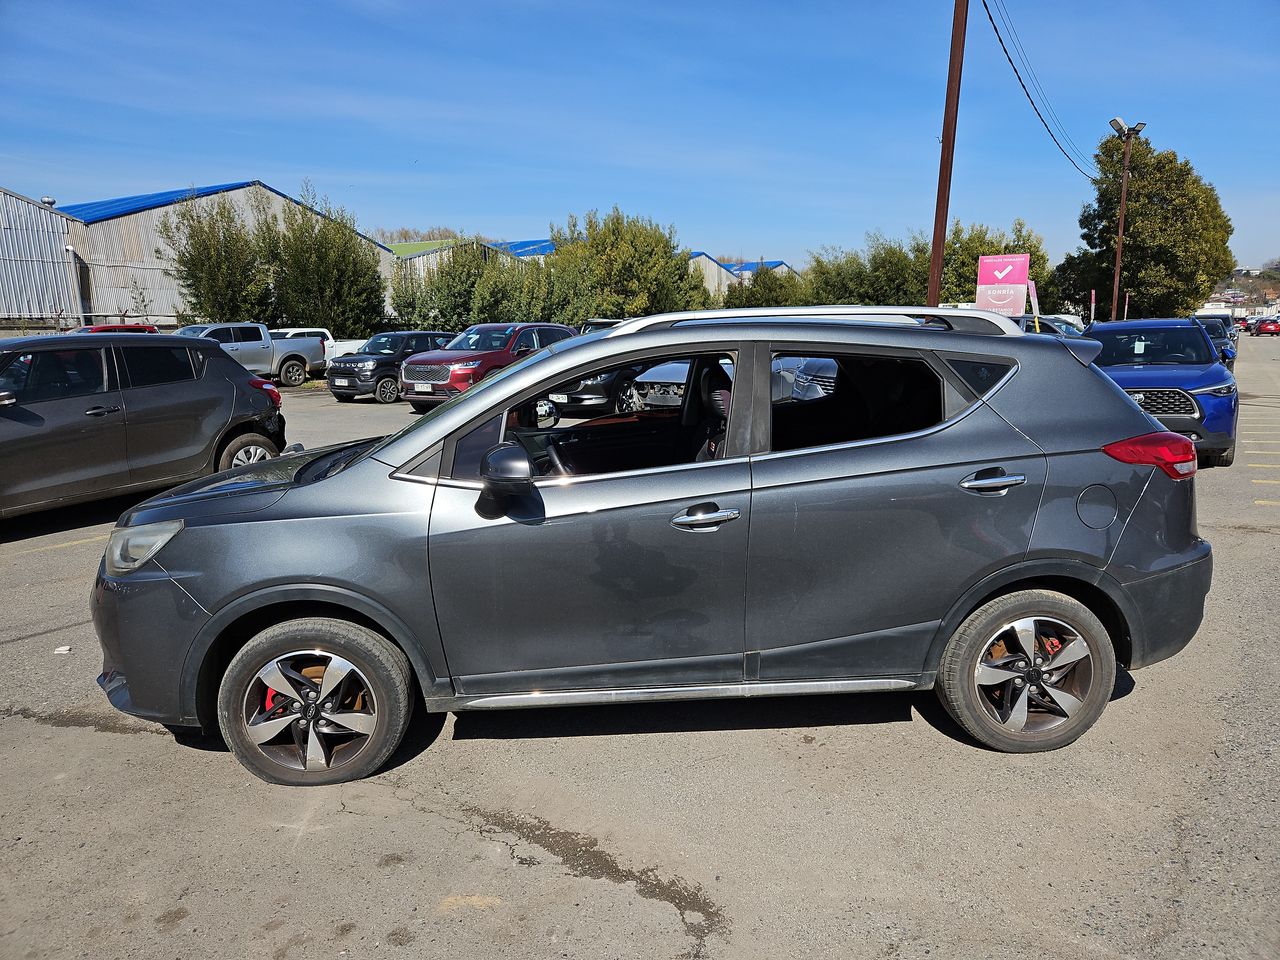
959, 22
1127, 134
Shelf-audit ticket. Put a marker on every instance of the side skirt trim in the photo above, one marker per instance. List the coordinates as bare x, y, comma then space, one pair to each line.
566, 698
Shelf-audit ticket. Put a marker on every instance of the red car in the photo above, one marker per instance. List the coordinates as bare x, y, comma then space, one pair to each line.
1269, 326
427, 379
118, 328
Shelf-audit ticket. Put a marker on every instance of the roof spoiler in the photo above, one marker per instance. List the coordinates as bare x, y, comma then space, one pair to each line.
1082, 348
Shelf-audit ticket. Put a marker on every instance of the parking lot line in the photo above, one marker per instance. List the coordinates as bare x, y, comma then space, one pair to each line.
1273, 466
59, 546
1267, 503
1266, 481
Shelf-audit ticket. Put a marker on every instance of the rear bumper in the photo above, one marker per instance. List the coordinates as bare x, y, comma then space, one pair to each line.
1171, 607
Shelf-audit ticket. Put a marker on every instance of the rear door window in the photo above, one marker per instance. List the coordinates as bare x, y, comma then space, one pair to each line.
151, 366
248, 335
824, 399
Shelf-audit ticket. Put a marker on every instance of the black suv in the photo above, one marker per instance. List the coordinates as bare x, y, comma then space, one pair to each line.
88, 416
960, 507
375, 367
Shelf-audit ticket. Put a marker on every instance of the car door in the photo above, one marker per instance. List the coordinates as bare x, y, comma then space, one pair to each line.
174, 412
253, 348
63, 436
611, 580
881, 496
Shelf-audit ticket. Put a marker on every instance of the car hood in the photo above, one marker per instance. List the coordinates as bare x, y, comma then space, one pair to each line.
1182, 376
246, 489
354, 358
450, 356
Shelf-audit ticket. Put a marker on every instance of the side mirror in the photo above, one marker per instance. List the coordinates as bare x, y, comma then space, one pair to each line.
7, 399
547, 414
523, 351
1227, 354
507, 471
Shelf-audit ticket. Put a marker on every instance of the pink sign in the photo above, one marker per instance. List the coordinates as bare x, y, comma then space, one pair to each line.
1004, 269
1002, 283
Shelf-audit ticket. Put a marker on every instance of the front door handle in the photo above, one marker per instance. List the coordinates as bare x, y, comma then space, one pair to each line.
100, 411
996, 483
708, 517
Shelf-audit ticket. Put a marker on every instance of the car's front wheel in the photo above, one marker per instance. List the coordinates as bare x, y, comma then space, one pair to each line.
315, 701
1028, 671
387, 390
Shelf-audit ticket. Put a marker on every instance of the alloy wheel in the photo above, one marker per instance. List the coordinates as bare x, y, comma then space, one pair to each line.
1034, 674
250, 454
388, 391
310, 710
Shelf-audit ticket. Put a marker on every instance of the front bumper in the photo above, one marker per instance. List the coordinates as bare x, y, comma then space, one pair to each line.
145, 625
1171, 605
352, 385
439, 392
1199, 433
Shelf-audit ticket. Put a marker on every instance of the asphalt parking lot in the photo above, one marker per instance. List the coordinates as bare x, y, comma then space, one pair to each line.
838, 826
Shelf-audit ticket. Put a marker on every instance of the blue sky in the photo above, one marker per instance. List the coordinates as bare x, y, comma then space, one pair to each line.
757, 129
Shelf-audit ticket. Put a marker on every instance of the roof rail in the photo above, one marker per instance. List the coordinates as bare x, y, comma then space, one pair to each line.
981, 322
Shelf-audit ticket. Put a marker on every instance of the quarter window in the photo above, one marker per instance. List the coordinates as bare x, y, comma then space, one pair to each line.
820, 400
150, 366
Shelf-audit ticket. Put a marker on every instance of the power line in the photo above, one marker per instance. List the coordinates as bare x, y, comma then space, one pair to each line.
1007, 18
1030, 99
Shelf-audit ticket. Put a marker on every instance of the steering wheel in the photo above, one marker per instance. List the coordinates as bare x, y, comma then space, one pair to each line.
559, 463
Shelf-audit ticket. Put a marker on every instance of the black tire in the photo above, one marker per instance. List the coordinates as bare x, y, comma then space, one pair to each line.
343, 397
624, 398
245, 448
386, 390
420, 407
957, 682
293, 373
1223, 458
381, 674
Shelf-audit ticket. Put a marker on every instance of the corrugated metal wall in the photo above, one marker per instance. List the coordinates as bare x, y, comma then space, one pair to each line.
124, 268
714, 276
39, 280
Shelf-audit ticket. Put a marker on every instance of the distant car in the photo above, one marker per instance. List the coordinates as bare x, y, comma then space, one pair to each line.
93, 416
288, 360
1045, 325
1267, 327
427, 379
597, 323
1172, 370
375, 367
118, 328
333, 348
1223, 340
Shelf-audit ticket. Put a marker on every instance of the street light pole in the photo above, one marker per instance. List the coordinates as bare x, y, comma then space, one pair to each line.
959, 22
1127, 134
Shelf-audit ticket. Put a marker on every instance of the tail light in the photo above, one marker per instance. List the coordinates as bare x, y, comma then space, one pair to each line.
271, 390
1171, 452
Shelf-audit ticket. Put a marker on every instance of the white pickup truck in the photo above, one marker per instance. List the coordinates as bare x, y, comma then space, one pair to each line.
332, 347
290, 361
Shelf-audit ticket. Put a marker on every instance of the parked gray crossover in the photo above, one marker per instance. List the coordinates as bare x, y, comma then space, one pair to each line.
962, 507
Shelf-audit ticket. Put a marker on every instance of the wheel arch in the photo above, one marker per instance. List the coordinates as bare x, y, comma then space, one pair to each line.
294, 356
1080, 581
238, 622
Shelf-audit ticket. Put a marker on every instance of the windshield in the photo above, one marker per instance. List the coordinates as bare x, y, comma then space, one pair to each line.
1151, 345
475, 392
1215, 329
384, 344
194, 331
590, 327
481, 338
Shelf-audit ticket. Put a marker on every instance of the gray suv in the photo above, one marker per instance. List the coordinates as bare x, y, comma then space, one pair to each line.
966, 508
96, 415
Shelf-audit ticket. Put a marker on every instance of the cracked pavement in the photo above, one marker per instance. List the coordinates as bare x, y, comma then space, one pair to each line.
817, 827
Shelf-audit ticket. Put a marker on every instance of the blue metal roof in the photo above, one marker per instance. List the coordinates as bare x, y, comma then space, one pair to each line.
95, 211
525, 248
754, 265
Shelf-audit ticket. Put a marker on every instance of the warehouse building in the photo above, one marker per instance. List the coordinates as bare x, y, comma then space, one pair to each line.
125, 274
743, 270
716, 277
41, 271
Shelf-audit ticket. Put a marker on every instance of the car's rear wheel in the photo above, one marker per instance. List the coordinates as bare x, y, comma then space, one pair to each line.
387, 390
293, 373
246, 449
315, 701
1028, 671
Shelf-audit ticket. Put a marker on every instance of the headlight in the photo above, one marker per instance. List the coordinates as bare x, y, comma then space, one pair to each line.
131, 547
367, 364
1219, 389
466, 365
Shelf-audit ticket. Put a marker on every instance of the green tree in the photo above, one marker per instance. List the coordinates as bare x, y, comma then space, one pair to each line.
326, 273
411, 296
451, 283
510, 290
886, 271
1175, 236
215, 255
767, 288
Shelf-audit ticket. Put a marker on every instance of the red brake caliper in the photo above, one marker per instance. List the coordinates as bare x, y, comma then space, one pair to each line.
1052, 644
270, 699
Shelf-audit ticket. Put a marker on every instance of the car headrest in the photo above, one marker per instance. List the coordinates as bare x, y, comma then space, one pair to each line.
718, 403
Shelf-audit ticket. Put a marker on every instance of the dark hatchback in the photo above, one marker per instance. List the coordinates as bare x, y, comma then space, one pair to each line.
87, 416
967, 508
374, 370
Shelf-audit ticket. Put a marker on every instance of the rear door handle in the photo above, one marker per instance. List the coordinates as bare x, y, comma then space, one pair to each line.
708, 520
100, 411
995, 483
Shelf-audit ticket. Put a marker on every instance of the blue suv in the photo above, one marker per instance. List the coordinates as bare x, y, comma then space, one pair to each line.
1176, 374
